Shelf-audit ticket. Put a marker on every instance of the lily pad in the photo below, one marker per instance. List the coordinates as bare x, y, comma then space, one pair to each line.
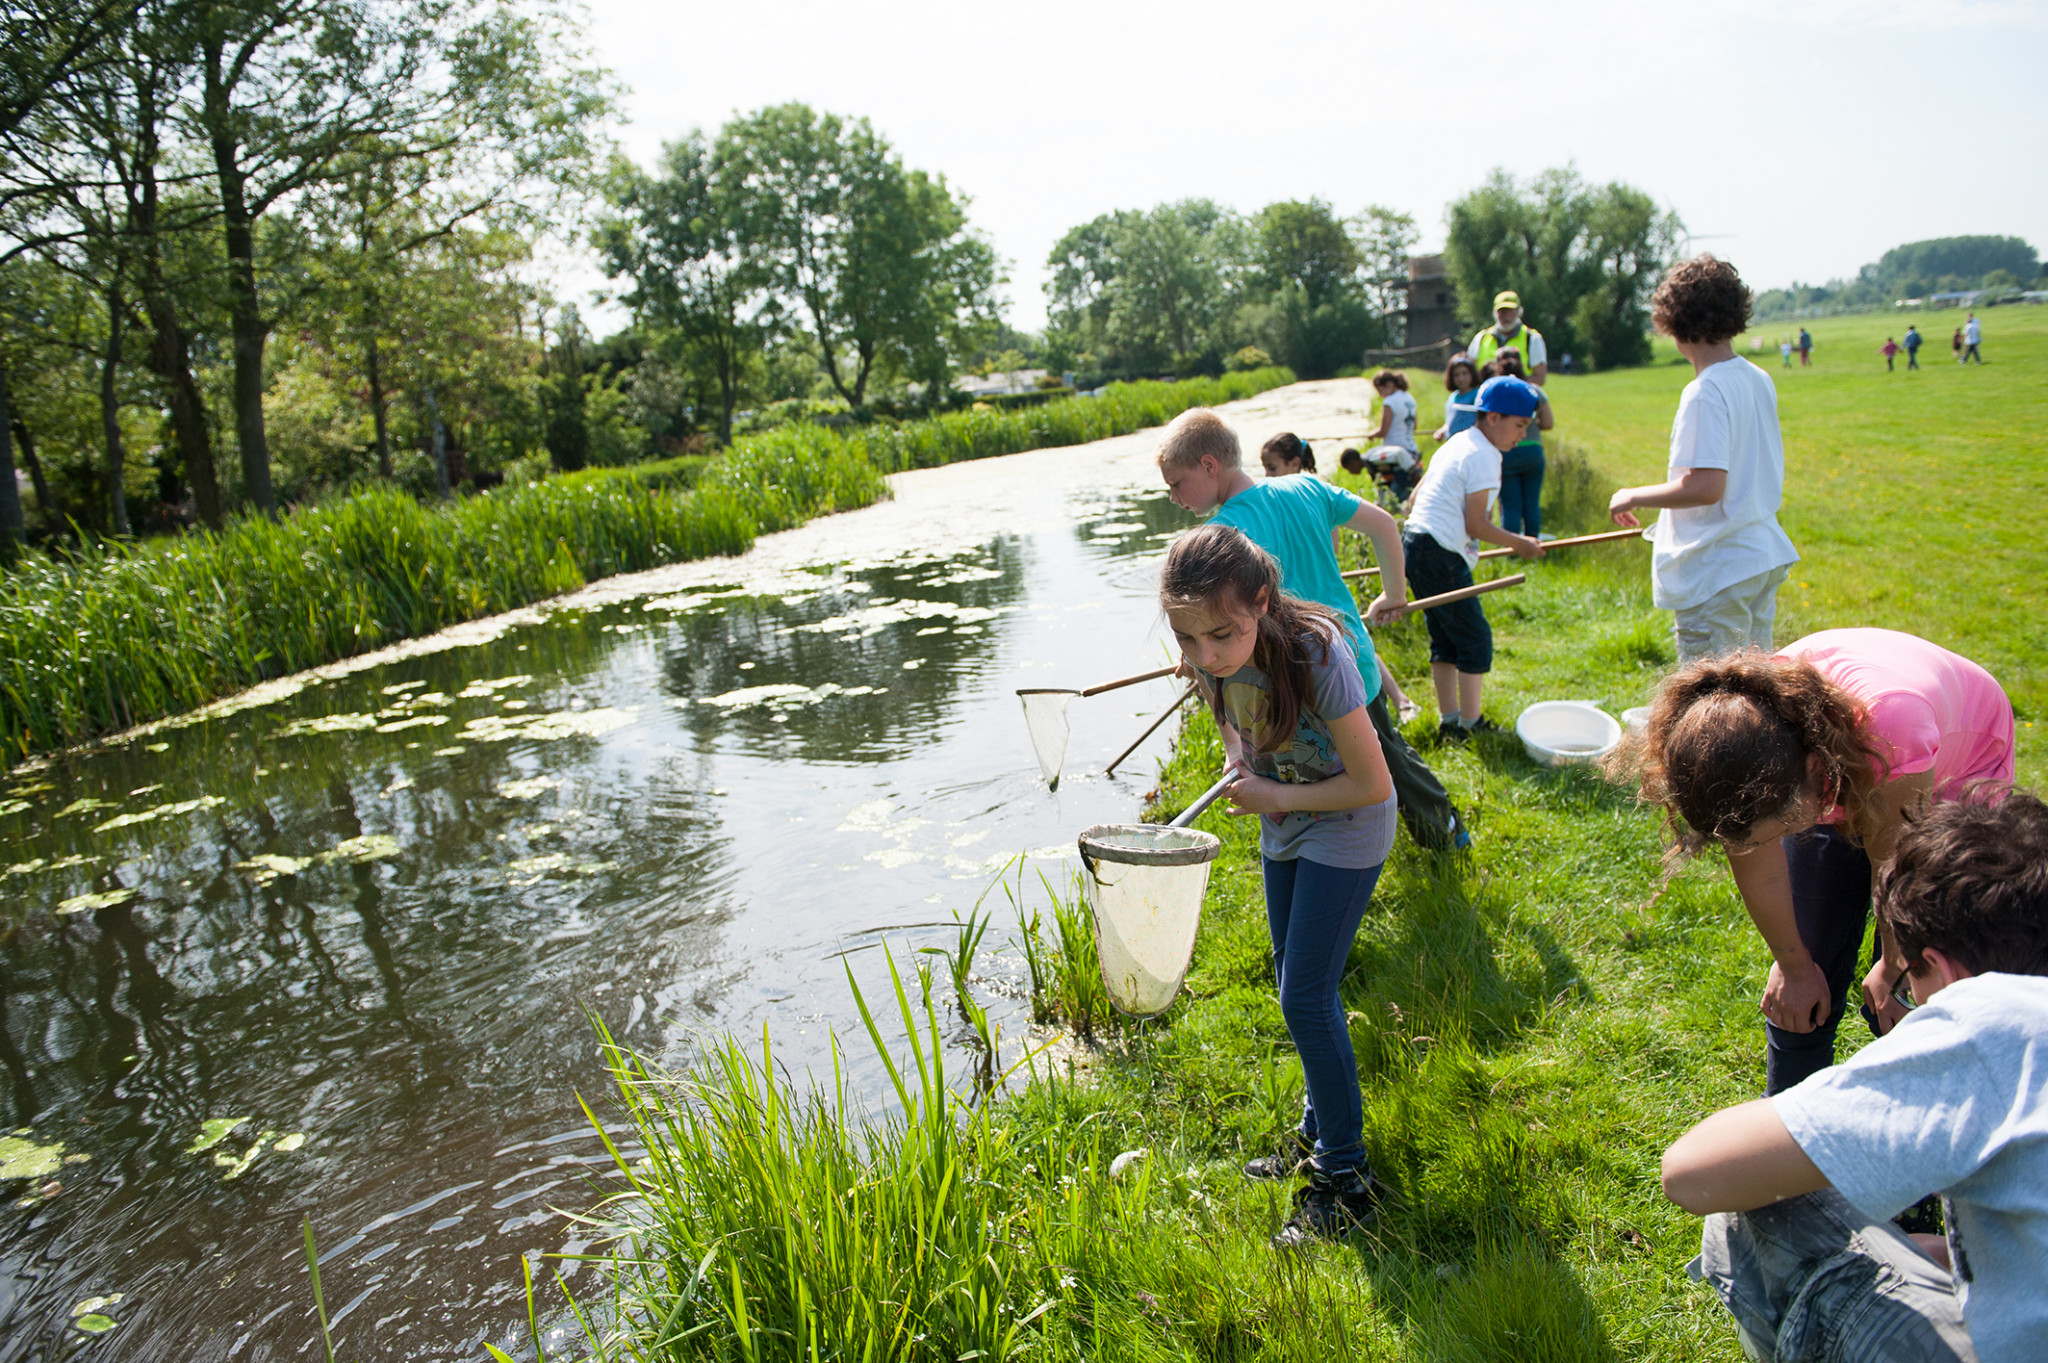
528, 789
479, 690
369, 847
92, 1304
287, 1144
12, 807
156, 747
160, 812
84, 806
95, 1324
268, 866
328, 724
21, 1157
400, 688
414, 722
212, 1132
105, 899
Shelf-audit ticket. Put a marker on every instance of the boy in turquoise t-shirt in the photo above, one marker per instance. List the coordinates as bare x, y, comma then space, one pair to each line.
1291, 519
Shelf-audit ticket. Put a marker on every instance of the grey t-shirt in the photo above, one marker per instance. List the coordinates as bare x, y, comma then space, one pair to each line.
1953, 1100
1350, 838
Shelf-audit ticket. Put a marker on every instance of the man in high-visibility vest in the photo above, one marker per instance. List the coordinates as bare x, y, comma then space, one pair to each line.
1507, 329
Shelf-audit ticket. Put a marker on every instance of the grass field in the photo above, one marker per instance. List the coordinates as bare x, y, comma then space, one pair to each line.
1533, 1025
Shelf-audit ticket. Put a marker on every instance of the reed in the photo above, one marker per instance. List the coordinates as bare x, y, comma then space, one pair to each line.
115, 635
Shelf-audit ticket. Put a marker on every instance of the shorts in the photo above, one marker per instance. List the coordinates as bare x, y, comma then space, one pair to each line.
1458, 633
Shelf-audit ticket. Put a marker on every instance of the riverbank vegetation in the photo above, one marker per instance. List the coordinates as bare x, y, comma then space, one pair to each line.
113, 634
1533, 1023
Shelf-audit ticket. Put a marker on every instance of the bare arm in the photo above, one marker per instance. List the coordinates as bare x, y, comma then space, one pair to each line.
1364, 780
1480, 528
1538, 375
1895, 802
1386, 424
1796, 994
1694, 487
1544, 419
1737, 1160
1375, 524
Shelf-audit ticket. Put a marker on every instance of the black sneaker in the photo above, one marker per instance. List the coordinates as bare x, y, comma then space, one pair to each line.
1330, 1207
1450, 731
1483, 725
1283, 1166
1922, 1218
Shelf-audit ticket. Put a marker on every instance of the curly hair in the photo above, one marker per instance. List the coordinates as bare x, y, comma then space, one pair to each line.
1216, 567
1291, 448
1702, 300
1970, 879
1734, 740
1390, 378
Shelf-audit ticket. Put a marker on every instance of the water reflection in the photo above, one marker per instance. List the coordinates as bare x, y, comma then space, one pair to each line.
356, 929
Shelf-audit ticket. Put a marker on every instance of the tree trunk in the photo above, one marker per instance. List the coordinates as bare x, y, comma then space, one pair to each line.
10, 487
170, 356
378, 413
110, 416
439, 445
245, 308
53, 514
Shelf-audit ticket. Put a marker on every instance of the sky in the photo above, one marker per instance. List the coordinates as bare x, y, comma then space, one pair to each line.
1798, 139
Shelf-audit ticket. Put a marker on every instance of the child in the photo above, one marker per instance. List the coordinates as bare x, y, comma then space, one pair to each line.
1450, 515
1287, 454
1955, 1099
1394, 456
1804, 768
1719, 554
1888, 350
1461, 381
1280, 677
1785, 349
1521, 468
1291, 519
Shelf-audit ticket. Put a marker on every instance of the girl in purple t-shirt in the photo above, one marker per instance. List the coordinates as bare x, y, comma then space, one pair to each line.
1803, 767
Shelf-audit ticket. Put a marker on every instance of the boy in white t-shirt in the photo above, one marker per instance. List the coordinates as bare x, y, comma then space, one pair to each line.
1797, 1188
1720, 554
1440, 545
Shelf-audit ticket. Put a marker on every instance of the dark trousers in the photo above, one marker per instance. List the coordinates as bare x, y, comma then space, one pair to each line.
1913, 358
1831, 904
1424, 803
1969, 353
1521, 490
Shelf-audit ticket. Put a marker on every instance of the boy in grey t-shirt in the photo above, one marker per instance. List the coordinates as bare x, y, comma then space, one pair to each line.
1953, 1100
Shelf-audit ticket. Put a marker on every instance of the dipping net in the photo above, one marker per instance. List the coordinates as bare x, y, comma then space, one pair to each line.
1045, 716
1145, 884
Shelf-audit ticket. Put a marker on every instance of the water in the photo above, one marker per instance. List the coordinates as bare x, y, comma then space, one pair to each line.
355, 928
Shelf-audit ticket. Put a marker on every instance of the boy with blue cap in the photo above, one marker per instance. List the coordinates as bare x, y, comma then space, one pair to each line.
1451, 515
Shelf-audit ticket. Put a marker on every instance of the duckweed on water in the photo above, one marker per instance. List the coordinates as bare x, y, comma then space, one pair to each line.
23, 1157
212, 1132
529, 789
105, 899
160, 812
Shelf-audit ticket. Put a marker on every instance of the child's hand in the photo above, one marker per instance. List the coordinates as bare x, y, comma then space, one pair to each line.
1251, 794
1621, 509
1385, 609
1529, 547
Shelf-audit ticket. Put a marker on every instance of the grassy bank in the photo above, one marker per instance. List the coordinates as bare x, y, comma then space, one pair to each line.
124, 634
1532, 1024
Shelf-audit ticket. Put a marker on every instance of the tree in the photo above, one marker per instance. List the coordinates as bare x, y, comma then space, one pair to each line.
1911, 268
1583, 258
1144, 292
1315, 316
1384, 240
1303, 244
880, 259
698, 272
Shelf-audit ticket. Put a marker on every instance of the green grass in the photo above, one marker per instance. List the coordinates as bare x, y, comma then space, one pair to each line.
1532, 1025
116, 635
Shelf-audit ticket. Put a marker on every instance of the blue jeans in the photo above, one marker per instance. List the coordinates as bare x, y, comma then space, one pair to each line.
1313, 911
1813, 1280
1831, 905
1521, 490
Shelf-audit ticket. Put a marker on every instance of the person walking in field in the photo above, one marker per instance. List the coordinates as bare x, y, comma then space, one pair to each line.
1888, 350
1805, 767
1281, 680
1441, 543
1913, 344
1719, 553
1785, 351
1291, 519
1508, 329
1973, 333
1805, 349
1797, 1188
1955, 345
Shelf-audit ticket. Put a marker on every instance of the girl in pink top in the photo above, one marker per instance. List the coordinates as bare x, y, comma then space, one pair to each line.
1803, 767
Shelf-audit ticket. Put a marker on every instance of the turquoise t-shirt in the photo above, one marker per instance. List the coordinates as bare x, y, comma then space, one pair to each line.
1291, 519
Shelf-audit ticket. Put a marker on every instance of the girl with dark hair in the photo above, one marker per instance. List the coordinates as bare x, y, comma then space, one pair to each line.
1804, 767
1286, 453
1280, 677
1521, 468
1461, 385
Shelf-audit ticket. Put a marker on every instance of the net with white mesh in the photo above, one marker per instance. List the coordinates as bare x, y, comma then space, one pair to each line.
1144, 885
1045, 716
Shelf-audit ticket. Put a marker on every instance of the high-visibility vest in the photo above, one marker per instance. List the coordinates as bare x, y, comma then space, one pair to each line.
1490, 344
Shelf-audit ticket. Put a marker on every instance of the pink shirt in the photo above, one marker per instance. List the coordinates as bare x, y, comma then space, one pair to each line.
1934, 709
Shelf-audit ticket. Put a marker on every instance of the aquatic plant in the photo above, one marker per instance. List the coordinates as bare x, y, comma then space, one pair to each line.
117, 634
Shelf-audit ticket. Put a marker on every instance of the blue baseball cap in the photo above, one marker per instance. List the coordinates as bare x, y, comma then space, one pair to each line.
1509, 396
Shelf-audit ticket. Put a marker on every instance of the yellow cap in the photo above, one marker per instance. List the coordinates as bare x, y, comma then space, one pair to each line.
1506, 298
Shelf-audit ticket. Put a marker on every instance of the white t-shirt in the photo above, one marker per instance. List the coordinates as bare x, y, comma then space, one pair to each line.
1464, 464
1528, 340
1401, 430
1954, 1100
1973, 332
1727, 419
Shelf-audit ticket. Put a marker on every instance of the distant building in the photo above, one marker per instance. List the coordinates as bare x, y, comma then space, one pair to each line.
1966, 298
1001, 384
1432, 312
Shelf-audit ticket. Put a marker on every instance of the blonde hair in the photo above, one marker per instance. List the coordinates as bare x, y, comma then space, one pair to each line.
1195, 433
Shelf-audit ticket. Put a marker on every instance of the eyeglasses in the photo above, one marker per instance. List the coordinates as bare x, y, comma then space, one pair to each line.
1902, 994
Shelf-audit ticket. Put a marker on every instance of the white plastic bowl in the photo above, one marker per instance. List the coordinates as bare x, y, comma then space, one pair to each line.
1563, 733
1637, 719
